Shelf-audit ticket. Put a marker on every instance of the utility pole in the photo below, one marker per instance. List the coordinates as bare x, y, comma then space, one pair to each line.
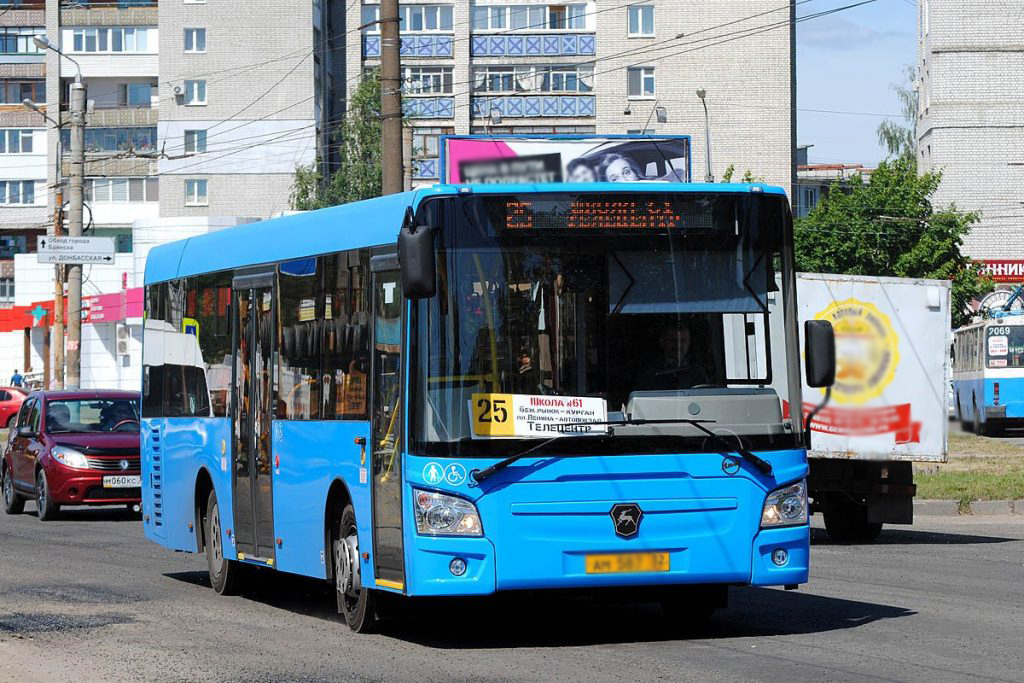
390, 99
77, 121
58, 297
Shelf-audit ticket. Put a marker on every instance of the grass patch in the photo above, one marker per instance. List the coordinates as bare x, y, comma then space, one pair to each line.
979, 468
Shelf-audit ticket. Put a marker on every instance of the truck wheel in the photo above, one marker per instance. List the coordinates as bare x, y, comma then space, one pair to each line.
225, 574
848, 523
356, 602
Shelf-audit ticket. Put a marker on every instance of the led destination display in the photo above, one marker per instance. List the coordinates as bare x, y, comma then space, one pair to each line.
612, 213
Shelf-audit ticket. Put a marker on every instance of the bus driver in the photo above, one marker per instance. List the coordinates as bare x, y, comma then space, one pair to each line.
675, 368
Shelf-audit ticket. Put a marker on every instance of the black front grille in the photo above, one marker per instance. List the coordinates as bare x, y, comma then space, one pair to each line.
100, 493
114, 464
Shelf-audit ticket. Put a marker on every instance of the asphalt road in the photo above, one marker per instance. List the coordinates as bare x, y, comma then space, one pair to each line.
87, 599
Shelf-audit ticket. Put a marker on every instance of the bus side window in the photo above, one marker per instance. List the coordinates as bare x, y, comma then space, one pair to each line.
346, 351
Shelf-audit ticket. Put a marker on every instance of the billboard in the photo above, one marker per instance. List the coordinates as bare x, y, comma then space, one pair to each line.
564, 159
889, 401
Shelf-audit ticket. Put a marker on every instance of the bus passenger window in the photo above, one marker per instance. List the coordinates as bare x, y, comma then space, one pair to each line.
346, 354
300, 332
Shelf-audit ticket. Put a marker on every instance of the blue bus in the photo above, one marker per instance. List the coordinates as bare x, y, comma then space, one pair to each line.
988, 374
463, 390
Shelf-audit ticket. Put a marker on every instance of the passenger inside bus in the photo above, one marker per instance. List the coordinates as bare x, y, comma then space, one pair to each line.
675, 368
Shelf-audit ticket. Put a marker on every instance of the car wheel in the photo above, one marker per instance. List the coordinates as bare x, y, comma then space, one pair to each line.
14, 504
355, 601
45, 507
11, 420
225, 574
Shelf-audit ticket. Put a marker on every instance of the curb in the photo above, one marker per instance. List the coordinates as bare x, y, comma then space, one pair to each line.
941, 508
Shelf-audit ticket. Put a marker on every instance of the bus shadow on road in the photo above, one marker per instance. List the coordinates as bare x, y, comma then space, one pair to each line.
557, 620
906, 536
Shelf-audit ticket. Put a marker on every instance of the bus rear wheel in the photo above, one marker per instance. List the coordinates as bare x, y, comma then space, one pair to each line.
355, 601
225, 574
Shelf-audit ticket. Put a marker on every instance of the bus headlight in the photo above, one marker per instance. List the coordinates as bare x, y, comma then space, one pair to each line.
70, 457
786, 506
441, 515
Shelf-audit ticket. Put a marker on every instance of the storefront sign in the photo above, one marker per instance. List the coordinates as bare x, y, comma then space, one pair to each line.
1003, 270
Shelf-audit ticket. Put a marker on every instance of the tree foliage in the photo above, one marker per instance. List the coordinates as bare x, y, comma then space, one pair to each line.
900, 137
357, 174
887, 226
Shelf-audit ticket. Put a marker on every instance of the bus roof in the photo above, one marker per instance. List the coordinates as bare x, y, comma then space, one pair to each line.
367, 223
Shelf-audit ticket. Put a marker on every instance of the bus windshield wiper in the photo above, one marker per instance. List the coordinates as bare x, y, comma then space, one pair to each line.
762, 465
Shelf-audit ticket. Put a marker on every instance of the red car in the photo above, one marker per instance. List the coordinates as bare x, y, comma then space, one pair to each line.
73, 448
11, 399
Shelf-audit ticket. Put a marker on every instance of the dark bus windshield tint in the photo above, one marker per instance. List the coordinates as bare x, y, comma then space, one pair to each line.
663, 297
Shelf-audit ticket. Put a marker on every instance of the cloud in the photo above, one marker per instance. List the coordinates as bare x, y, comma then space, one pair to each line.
836, 33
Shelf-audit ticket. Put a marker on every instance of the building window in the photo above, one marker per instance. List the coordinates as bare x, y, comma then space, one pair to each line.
16, 40
16, 141
195, 141
138, 138
135, 95
640, 82
533, 130
195, 40
427, 80
195, 193
530, 17
529, 78
414, 18
7, 290
641, 20
121, 190
117, 39
19, 192
14, 91
426, 142
195, 93
11, 245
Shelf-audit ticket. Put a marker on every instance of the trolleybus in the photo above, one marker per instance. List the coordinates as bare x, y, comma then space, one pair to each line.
464, 390
988, 374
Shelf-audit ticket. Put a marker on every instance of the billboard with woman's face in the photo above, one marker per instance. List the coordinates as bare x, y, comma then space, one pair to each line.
577, 159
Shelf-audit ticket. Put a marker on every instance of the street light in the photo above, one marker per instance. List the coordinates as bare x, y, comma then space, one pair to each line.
43, 43
708, 178
29, 104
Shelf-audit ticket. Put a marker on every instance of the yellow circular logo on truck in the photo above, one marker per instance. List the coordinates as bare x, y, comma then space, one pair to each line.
867, 350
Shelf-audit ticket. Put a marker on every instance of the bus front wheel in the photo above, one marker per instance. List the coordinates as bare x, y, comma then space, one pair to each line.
355, 601
225, 574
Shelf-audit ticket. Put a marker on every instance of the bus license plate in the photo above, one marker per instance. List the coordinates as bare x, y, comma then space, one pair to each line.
627, 563
122, 481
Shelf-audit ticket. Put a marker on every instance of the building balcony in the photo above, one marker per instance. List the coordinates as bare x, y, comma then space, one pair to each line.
108, 12
105, 4
413, 45
531, 45
428, 107
425, 169
536, 106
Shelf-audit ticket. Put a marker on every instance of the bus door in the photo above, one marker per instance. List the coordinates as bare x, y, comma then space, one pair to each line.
388, 304
253, 313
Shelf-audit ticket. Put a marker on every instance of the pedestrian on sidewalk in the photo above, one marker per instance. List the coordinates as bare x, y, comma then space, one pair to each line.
16, 378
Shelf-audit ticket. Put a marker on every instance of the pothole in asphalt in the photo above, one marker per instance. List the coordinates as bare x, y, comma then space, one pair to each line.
21, 623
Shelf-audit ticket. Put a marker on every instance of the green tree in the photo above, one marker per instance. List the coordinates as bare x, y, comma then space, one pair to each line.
900, 137
887, 226
358, 172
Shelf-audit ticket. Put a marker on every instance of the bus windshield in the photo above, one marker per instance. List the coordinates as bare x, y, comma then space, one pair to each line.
1004, 346
663, 306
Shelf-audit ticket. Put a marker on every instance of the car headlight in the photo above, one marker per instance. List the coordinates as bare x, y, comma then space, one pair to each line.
70, 457
786, 506
441, 515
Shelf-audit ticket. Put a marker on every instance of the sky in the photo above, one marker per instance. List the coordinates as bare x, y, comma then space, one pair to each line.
846, 62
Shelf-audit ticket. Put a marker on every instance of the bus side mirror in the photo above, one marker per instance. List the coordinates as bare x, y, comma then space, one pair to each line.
416, 260
819, 353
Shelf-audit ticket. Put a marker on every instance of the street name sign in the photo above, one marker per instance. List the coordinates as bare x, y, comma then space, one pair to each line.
75, 249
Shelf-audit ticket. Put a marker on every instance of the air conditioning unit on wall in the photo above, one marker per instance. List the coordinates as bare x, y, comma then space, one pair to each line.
124, 337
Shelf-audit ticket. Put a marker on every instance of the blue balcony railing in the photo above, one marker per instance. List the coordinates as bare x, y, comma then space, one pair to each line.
425, 169
559, 45
427, 45
428, 107
529, 106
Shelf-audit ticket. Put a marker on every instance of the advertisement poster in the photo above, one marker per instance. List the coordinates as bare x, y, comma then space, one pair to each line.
889, 400
577, 159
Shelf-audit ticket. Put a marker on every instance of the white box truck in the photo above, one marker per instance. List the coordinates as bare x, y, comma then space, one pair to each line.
888, 407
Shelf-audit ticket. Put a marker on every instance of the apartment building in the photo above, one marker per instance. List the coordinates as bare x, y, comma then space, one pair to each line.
23, 140
601, 66
971, 118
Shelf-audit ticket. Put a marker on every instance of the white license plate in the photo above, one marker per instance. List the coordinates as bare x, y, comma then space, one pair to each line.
122, 481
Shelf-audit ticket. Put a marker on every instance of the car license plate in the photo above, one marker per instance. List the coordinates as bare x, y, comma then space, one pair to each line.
627, 563
122, 481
